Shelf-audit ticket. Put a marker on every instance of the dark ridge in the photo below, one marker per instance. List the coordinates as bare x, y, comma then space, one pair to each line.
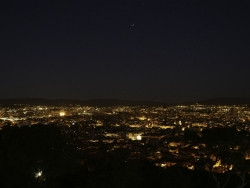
226, 101
68, 102
116, 102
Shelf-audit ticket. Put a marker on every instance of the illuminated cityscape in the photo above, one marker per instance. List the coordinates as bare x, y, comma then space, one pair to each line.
164, 136
124, 94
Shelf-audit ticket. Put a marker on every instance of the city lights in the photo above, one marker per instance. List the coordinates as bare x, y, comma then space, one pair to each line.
62, 113
124, 94
138, 137
38, 174
153, 124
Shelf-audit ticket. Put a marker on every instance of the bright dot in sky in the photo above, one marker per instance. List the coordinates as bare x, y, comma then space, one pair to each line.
62, 113
38, 174
138, 137
132, 25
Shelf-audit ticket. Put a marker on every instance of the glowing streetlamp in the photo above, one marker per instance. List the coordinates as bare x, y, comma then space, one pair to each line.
138, 137
38, 174
62, 113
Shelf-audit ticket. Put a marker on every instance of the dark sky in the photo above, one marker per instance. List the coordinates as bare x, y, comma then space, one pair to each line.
138, 50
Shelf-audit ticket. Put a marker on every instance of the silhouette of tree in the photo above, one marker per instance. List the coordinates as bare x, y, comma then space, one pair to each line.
190, 136
34, 156
227, 145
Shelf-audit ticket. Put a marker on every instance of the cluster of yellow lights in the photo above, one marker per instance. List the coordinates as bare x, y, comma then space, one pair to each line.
38, 174
138, 137
62, 113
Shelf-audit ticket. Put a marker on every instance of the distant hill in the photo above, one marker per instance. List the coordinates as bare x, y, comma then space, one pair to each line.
68, 102
226, 101
117, 102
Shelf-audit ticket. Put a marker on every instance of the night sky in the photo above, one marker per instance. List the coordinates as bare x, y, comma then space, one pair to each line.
169, 51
